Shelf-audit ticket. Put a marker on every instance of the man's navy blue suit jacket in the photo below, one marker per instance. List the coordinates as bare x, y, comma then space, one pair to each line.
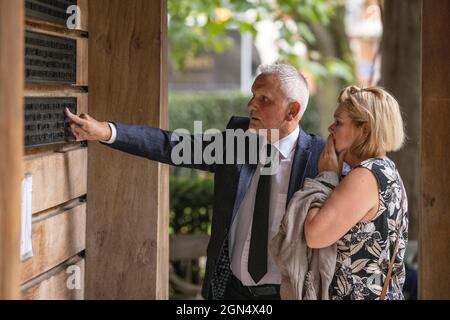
230, 182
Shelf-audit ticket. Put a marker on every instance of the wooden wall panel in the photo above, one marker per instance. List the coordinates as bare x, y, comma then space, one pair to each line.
11, 132
53, 285
57, 177
48, 91
59, 174
82, 4
434, 245
401, 60
82, 47
58, 236
127, 223
82, 62
82, 97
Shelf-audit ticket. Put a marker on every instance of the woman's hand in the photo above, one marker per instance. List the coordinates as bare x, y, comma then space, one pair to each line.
329, 159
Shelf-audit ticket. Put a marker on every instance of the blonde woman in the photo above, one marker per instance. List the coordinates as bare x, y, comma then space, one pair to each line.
366, 214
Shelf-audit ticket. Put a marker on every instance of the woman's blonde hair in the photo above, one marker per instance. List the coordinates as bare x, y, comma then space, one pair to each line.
379, 114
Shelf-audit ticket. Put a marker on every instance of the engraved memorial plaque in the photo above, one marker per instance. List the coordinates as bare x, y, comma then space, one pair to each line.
50, 58
50, 10
46, 122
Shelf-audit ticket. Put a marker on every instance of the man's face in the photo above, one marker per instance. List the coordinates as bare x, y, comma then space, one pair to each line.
268, 106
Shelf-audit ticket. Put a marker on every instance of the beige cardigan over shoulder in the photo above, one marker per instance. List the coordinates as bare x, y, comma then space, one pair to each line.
306, 273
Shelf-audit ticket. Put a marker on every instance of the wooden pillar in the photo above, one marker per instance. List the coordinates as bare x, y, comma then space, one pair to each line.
401, 76
434, 247
11, 133
127, 214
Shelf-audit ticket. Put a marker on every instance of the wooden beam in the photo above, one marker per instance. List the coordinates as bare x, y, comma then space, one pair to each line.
81, 43
434, 245
162, 262
46, 91
62, 27
83, 4
82, 62
57, 177
38, 25
82, 97
12, 136
127, 224
58, 235
400, 64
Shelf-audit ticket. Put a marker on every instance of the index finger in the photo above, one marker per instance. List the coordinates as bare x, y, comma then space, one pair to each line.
74, 118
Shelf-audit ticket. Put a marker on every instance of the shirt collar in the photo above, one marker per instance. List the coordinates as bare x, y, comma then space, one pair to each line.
288, 143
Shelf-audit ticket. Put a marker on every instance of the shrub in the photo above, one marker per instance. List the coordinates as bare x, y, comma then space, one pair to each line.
191, 201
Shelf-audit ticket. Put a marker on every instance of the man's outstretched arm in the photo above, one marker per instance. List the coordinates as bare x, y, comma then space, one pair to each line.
152, 143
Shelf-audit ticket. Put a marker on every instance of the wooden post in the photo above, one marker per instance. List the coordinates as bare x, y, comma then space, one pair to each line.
401, 76
11, 133
434, 246
127, 209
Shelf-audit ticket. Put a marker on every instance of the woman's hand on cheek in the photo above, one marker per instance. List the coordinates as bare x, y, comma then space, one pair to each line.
329, 160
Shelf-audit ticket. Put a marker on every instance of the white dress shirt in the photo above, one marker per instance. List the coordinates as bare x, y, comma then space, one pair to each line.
113, 134
240, 232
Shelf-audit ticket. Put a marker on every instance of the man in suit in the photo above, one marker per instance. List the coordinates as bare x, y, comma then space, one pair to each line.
248, 204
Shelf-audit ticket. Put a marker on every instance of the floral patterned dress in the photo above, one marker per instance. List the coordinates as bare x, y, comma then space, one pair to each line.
364, 253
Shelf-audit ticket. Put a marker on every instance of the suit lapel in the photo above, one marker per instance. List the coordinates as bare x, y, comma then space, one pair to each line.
299, 164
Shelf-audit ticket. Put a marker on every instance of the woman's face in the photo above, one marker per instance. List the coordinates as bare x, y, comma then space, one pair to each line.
343, 131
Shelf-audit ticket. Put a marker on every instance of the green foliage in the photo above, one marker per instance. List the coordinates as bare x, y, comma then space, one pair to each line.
200, 25
214, 109
191, 201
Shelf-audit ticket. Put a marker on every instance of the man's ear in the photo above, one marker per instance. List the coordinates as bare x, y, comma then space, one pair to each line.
293, 110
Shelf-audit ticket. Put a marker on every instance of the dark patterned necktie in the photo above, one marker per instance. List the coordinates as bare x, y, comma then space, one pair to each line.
257, 257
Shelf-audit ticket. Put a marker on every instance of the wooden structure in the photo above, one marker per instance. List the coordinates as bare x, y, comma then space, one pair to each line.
434, 223
128, 198
11, 153
104, 214
87, 220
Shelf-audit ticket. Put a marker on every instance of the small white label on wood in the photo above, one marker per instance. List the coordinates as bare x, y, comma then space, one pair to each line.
26, 249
